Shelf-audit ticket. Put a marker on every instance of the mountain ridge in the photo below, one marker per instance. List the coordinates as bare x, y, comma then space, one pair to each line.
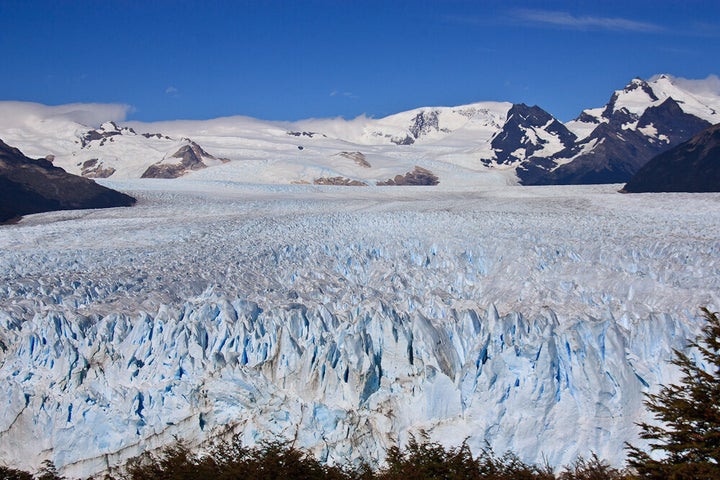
692, 166
483, 143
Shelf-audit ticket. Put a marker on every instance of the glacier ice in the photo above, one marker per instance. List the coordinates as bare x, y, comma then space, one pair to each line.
529, 319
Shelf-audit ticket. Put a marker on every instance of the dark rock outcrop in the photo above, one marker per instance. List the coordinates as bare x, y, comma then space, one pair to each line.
33, 186
305, 134
357, 157
692, 166
93, 168
422, 124
339, 181
419, 176
190, 158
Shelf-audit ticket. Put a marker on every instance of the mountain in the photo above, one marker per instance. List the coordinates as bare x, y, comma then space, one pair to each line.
693, 166
479, 144
122, 152
33, 186
614, 142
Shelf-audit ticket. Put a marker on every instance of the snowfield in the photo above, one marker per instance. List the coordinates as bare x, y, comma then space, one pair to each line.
345, 319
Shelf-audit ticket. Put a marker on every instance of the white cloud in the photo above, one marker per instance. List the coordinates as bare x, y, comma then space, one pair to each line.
171, 90
335, 127
90, 114
585, 22
709, 85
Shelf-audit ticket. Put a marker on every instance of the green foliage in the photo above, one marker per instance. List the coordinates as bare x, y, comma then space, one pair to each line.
226, 461
592, 469
47, 472
428, 460
420, 460
688, 436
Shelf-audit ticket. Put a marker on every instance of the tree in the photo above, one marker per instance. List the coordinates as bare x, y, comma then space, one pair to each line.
7, 473
688, 436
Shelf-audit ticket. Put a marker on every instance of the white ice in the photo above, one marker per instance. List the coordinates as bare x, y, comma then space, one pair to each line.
346, 319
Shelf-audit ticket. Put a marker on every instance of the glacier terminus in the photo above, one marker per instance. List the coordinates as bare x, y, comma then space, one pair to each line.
529, 319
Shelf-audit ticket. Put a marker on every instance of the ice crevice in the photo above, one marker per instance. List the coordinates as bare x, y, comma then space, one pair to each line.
532, 319
342, 383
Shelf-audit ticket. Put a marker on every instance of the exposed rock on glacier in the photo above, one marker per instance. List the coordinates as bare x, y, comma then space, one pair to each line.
532, 319
419, 176
189, 157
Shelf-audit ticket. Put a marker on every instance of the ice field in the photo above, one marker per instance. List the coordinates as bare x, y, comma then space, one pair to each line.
529, 319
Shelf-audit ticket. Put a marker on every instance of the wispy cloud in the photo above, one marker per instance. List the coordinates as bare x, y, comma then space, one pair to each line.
336, 93
704, 86
171, 90
585, 22
90, 114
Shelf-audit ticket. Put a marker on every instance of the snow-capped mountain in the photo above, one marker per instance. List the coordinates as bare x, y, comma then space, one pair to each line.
614, 142
104, 151
486, 143
121, 152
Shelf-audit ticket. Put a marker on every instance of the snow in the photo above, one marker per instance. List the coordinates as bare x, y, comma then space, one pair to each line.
696, 97
649, 130
532, 318
344, 319
551, 142
635, 100
454, 143
584, 129
268, 152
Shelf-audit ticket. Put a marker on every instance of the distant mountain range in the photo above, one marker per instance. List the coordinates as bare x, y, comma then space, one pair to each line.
477, 144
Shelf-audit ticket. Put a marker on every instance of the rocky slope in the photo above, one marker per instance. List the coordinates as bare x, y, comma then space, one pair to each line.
34, 186
693, 166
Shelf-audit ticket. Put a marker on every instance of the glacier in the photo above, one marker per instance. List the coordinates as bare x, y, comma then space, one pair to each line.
529, 319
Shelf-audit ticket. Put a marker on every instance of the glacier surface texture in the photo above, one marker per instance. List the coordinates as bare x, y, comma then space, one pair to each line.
529, 319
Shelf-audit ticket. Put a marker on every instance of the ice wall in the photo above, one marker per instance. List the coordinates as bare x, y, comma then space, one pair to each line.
343, 383
532, 321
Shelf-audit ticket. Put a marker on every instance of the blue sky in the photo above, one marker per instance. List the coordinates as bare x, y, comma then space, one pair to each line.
288, 60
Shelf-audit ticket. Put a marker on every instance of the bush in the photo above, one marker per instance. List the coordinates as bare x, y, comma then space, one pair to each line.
592, 469
274, 460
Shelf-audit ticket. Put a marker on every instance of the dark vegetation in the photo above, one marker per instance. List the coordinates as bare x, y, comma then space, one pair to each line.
688, 434
686, 442
420, 460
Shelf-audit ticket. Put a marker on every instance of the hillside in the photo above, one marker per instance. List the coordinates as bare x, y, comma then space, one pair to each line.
34, 186
693, 166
